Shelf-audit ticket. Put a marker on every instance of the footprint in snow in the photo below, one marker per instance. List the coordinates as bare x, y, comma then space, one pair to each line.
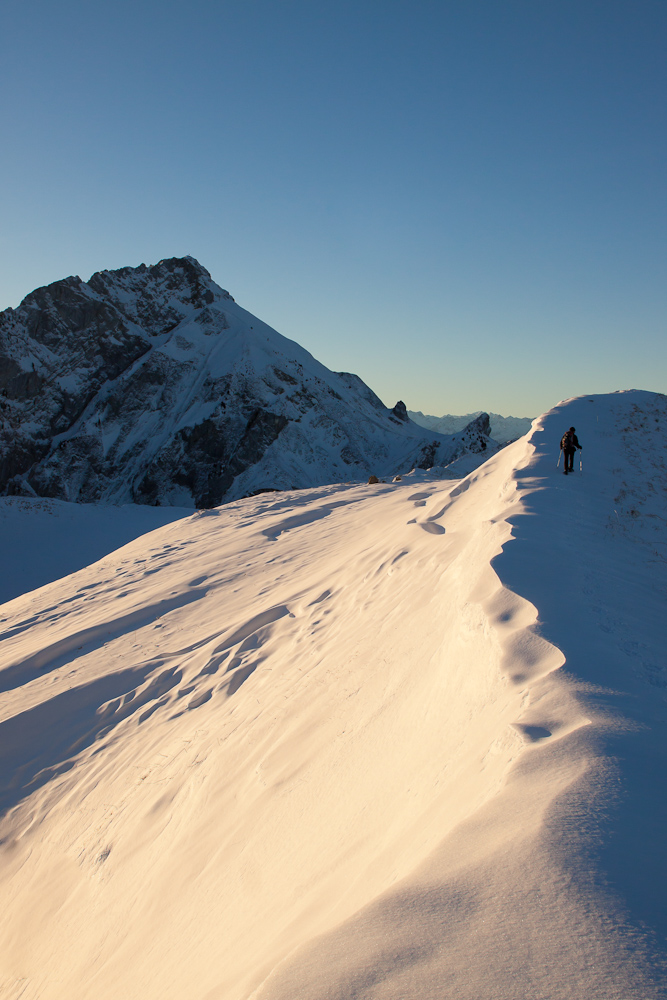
532, 734
432, 528
419, 499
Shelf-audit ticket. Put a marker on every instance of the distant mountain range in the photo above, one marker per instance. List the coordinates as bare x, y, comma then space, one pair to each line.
151, 385
503, 429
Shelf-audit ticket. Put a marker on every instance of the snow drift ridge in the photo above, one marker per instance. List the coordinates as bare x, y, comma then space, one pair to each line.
346, 760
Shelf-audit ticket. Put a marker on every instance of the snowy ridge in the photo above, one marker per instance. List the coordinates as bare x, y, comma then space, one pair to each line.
152, 385
391, 741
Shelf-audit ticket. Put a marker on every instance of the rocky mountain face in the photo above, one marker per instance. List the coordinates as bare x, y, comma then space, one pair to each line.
151, 385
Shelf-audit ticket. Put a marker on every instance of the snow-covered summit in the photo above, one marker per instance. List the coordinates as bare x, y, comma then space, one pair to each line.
152, 385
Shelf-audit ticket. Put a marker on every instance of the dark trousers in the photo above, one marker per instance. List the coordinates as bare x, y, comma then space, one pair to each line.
568, 454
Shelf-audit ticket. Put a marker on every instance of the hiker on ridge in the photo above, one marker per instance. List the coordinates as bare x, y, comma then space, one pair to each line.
569, 444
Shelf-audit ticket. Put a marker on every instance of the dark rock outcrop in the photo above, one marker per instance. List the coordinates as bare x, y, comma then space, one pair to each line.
400, 412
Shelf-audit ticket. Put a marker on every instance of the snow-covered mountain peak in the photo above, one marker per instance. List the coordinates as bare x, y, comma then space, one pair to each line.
151, 384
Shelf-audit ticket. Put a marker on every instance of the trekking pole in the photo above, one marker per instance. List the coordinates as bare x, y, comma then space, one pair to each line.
558, 462
581, 460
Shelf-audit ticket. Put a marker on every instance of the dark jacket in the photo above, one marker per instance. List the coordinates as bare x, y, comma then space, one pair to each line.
570, 441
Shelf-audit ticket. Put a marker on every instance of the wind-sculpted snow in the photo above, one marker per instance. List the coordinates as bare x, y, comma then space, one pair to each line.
390, 741
151, 385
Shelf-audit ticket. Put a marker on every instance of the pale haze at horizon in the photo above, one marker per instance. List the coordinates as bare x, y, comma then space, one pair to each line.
463, 203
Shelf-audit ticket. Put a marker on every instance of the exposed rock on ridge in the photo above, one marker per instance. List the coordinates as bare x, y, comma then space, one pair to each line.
151, 385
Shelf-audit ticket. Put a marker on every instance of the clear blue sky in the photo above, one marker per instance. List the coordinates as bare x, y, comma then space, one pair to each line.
462, 202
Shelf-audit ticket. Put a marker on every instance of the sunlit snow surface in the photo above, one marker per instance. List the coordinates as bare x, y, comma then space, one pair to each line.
400, 742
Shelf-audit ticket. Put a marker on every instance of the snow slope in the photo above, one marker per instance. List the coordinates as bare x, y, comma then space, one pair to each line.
43, 540
399, 742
